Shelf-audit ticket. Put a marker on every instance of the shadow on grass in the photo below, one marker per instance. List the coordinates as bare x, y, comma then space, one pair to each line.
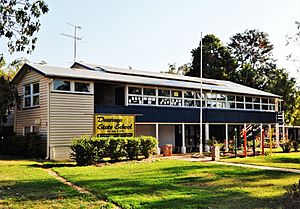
185, 187
35, 190
285, 160
175, 194
51, 165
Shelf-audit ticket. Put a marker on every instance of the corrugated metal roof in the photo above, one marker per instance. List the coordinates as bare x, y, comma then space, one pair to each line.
112, 74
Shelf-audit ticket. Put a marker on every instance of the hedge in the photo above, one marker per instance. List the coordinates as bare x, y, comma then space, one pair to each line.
89, 150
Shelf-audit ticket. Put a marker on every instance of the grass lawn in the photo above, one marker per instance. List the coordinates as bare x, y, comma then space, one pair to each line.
181, 184
277, 159
24, 185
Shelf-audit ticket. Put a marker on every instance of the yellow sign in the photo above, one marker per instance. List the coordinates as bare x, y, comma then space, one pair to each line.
114, 125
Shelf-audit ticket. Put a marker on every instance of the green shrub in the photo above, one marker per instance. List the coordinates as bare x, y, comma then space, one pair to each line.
296, 145
148, 145
116, 148
101, 148
83, 151
291, 199
133, 148
28, 146
88, 150
286, 146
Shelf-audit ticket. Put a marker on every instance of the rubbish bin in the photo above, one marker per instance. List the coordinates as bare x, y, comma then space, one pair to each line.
215, 153
168, 150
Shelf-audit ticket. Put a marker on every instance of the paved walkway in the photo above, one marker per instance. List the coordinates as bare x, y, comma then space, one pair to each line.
208, 160
291, 170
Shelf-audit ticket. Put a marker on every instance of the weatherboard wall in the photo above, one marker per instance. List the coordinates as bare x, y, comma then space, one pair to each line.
71, 115
36, 116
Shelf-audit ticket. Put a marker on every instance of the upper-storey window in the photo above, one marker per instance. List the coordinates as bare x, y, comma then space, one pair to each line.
191, 98
61, 85
149, 96
149, 92
31, 95
135, 90
256, 103
240, 103
67, 86
216, 100
82, 87
176, 93
135, 95
163, 92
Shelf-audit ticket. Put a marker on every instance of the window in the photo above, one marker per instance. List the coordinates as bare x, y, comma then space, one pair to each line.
61, 85
82, 87
149, 92
176, 102
240, 102
189, 94
164, 101
135, 100
135, 90
176, 94
211, 96
189, 103
27, 130
231, 101
31, 96
249, 103
30, 129
149, 100
163, 92
231, 98
192, 99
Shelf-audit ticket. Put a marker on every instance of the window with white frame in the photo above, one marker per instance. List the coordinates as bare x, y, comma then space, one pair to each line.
82, 87
67, 86
149, 96
249, 103
190, 98
164, 97
231, 102
265, 104
31, 95
61, 85
135, 95
240, 103
272, 104
221, 100
211, 100
30, 129
256, 103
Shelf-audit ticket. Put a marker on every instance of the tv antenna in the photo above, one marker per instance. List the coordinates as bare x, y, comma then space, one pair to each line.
75, 37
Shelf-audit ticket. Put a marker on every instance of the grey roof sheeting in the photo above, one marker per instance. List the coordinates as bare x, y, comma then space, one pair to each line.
112, 74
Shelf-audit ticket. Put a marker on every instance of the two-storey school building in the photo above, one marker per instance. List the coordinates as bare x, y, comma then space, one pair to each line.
60, 104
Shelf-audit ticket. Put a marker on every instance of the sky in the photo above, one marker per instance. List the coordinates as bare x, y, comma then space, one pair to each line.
149, 35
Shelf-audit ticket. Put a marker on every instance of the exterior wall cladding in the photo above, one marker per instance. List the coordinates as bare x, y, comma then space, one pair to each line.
190, 115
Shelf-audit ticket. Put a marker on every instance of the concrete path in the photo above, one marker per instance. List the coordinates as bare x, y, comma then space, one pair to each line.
291, 170
208, 160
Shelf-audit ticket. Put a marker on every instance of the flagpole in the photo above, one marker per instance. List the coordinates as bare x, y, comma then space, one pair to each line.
201, 144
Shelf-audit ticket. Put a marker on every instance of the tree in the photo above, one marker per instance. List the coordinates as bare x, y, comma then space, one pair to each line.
281, 84
182, 70
10, 70
217, 61
253, 52
8, 93
294, 115
294, 40
19, 21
